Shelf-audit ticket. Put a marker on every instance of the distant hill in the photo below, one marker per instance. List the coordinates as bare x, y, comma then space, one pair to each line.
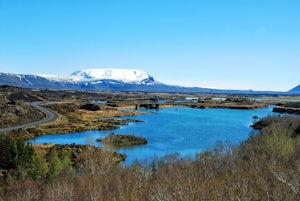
108, 79
295, 90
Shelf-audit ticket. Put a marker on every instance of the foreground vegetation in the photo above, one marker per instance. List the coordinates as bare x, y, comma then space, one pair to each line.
265, 167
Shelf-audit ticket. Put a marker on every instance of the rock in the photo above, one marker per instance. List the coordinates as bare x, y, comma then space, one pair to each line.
293, 104
122, 140
237, 100
150, 106
260, 124
90, 107
286, 110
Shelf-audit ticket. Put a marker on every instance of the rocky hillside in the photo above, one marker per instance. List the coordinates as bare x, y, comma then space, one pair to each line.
13, 108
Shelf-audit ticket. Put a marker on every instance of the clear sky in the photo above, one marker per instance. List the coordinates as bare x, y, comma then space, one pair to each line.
234, 44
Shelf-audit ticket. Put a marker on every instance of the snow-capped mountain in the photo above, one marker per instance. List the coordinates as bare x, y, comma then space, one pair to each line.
129, 76
108, 79
89, 79
122, 75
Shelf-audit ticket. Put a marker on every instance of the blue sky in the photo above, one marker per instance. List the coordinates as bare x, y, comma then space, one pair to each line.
234, 44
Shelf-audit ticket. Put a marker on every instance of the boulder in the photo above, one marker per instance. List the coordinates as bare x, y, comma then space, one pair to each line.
90, 107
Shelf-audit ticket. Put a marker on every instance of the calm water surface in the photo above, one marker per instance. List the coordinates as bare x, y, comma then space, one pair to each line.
176, 129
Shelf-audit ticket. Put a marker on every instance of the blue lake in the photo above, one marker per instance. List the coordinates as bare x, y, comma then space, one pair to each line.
182, 130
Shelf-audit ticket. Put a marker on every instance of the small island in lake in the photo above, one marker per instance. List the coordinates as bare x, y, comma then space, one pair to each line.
122, 140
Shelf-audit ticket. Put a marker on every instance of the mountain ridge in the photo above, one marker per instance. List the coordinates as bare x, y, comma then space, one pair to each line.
110, 79
135, 76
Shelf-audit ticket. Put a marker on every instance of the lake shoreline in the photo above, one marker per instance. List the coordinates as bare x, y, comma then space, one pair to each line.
167, 121
73, 118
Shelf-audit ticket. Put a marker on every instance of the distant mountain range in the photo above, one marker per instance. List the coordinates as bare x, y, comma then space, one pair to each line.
114, 80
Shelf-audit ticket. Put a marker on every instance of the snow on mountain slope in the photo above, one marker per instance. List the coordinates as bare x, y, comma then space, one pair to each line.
123, 75
57, 78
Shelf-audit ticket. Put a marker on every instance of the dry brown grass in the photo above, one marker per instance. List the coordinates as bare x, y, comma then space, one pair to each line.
72, 118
